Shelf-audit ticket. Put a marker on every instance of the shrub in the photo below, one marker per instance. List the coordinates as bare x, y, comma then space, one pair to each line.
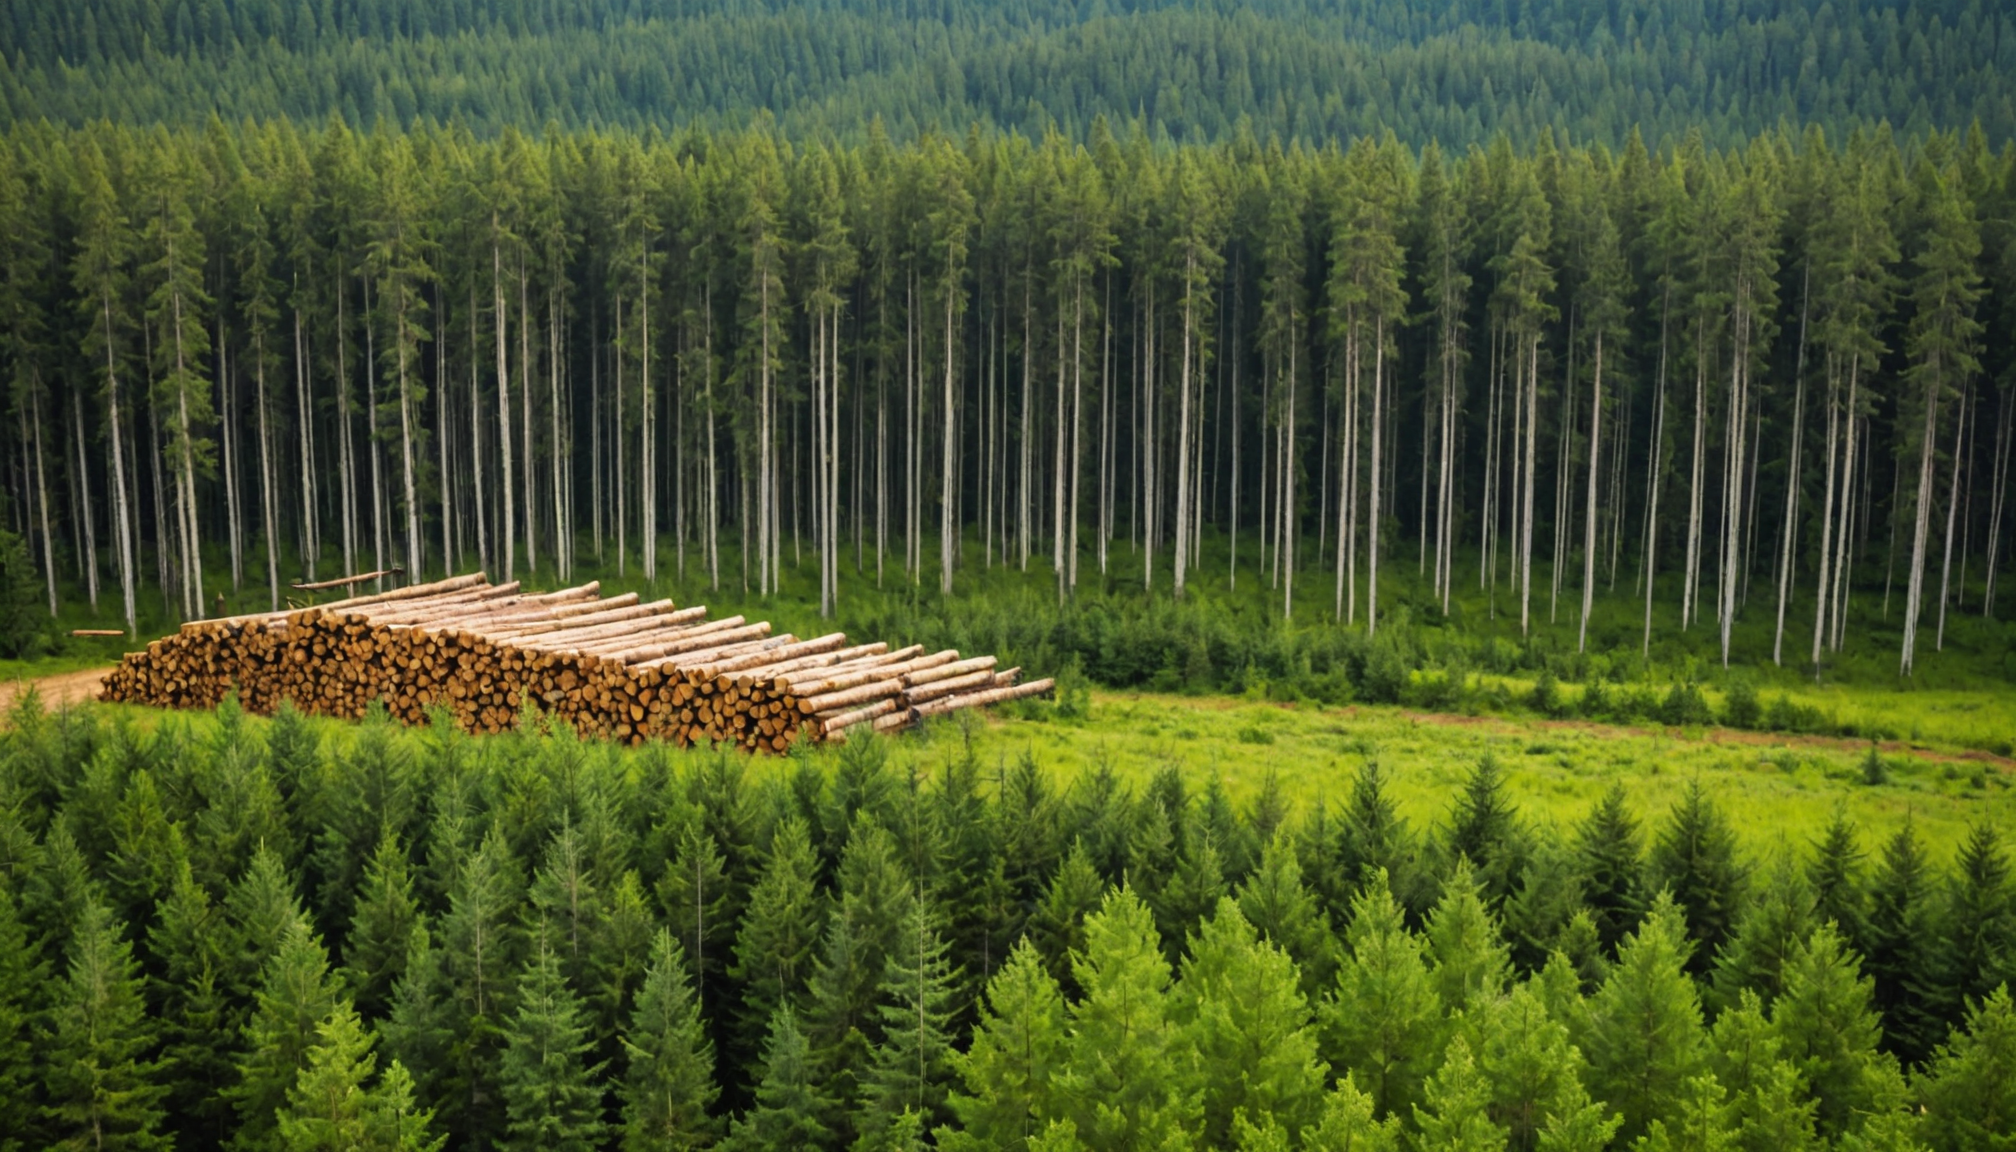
1741, 709
1544, 698
1684, 706
1874, 770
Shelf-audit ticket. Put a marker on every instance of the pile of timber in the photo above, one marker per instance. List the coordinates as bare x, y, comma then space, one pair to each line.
615, 667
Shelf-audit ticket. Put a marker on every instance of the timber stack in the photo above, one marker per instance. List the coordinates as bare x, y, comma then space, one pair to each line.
615, 667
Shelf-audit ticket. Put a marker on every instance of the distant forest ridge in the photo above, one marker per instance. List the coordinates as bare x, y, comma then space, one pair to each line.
1309, 70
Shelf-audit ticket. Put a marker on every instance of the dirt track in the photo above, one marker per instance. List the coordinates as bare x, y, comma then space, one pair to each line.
62, 688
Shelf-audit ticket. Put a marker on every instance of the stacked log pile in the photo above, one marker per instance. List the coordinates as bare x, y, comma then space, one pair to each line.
615, 667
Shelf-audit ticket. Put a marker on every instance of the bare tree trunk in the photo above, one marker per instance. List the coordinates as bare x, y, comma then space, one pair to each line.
442, 438
1691, 578
407, 482
1789, 530
948, 506
42, 493
563, 529
1372, 505
476, 488
1921, 521
378, 510
227, 413
1952, 509
1526, 493
1284, 540
619, 479
1589, 529
1843, 540
1998, 499
122, 513
647, 493
304, 405
1183, 480
506, 528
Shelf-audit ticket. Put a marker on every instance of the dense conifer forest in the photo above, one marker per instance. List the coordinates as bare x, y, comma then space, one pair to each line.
1767, 385
288, 935
1312, 70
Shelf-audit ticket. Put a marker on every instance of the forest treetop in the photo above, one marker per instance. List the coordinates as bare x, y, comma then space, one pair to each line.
1313, 70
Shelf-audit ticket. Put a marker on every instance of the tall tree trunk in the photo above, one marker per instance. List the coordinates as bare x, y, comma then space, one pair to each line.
506, 527
1952, 510
121, 511
1589, 510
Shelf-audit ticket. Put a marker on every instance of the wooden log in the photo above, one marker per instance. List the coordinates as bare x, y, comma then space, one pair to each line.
860, 694
346, 581
937, 688
848, 719
985, 696
96, 632
947, 671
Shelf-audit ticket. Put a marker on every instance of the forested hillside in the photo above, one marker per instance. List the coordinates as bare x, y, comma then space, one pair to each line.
1314, 70
1766, 385
280, 938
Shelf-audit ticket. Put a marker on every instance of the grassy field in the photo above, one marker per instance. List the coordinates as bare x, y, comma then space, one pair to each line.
1776, 789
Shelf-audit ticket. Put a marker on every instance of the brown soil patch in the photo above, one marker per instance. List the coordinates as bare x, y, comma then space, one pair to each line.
62, 688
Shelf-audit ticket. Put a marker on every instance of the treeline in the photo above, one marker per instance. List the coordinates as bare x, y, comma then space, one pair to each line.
1769, 383
243, 936
1313, 70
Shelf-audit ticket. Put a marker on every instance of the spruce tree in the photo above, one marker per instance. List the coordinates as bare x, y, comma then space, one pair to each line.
912, 1073
1827, 1025
1469, 957
1775, 922
261, 908
1058, 926
1240, 1004
1274, 900
1373, 836
1610, 847
552, 1098
1645, 1040
418, 1029
790, 1108
1968, 1090
700, 906
779, 937
1191, 893
332, 1107
200, 1029
1769, 1104
1018, 1044
1694, 858
1127, 1081
22, 980
1835, 875
1902, 948
100, 1093
479, 944
296, 994
1350, 1123
1698, 1121
1455, 1113
1547, 912
381, 926
668, 1084
1384, 1022
1979, 932
1485, 830
1532, 1070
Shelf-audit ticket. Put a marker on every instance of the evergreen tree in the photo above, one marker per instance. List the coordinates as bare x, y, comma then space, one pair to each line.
1828, 1028
912, 1071
789, 1105
1694, 858
1018, 1044
1969, 1088
332, 1108
1698, 1121
1532, 1071
1610, 848
1903, 949
199, 1029
478, 962
1240, 1004
1835, 875
700, 906
1980, 920
1457, 1116
1058, 926
1547, 913
374, 951
1645, 1043
1384, 1022
1470, 964
779, 935
550, 1092
295, 996
99, 1091
1485, 830
1776, 921
1350, 1123
1127, 1080
21, 979
1192, 892
1275, 902
1769, 1103
668, 1086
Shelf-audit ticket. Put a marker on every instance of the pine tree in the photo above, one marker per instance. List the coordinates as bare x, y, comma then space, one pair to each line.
1969, 1087
296, 994
700, 906
1126, 1082
261, 908
1018, 1045
1698, 1121
1384, 1022
1457, 1116
668, 1086
1350, 1123
1646, 1043
1610, 849
99, 1092
1695, 859
789, 1105
1469, 957
552, 1100
478, 957
1485, 830
1240, 1004
1547, 914
199, 1027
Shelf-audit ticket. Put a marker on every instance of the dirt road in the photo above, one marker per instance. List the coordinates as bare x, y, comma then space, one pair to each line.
62, 688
